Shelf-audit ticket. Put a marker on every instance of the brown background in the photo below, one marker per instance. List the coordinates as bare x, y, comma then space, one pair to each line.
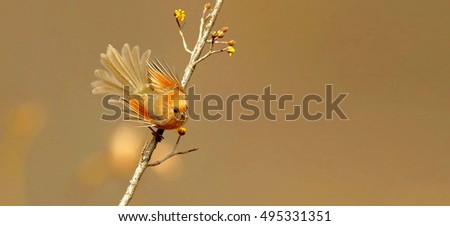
391, 56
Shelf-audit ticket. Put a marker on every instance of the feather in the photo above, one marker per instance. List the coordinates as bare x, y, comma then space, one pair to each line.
107, 83
162, 77
123, 70
150, 100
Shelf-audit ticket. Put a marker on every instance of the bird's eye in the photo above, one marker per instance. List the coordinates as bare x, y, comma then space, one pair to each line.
175, 110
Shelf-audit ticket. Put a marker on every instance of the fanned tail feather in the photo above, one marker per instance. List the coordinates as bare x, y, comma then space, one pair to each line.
123, 70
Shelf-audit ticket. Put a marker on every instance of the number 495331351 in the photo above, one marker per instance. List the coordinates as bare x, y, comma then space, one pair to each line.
295, 215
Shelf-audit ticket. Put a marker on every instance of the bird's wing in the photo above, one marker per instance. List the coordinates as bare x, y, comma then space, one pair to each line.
162, 78
126, 69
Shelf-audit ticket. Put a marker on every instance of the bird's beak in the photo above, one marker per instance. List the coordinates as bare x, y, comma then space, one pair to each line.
184, 115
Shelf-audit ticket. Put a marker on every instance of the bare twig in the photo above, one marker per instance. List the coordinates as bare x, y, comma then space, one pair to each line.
206, 25
203, 19
205, 30
137, 174
184, 42
209, 53
216, 41
171, 155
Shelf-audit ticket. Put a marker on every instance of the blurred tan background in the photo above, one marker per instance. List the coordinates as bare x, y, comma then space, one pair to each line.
391, 56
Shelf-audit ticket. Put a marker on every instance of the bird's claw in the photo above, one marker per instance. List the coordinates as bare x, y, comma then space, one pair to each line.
157, 136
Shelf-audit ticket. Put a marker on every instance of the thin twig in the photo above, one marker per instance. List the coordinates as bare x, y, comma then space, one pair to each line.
171, 155
137, 176
203, 36
211, 46
202, 22
184, 42
217, 41
149, 147
211, 52
173, 150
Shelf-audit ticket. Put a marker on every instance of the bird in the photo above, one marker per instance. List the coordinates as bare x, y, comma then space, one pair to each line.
149, 90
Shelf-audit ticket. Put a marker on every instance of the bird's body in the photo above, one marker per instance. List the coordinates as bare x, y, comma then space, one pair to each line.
150, 91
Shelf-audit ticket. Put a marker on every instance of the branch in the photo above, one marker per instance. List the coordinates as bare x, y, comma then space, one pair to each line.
184, 42
149, 147
201, 41
171, 155
147, 151
211, 52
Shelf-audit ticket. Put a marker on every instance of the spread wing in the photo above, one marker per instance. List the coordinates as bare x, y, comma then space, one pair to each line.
146, 82
162, 78
126, 69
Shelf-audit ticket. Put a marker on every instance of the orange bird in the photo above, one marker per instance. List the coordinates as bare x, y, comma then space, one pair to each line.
150, 91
